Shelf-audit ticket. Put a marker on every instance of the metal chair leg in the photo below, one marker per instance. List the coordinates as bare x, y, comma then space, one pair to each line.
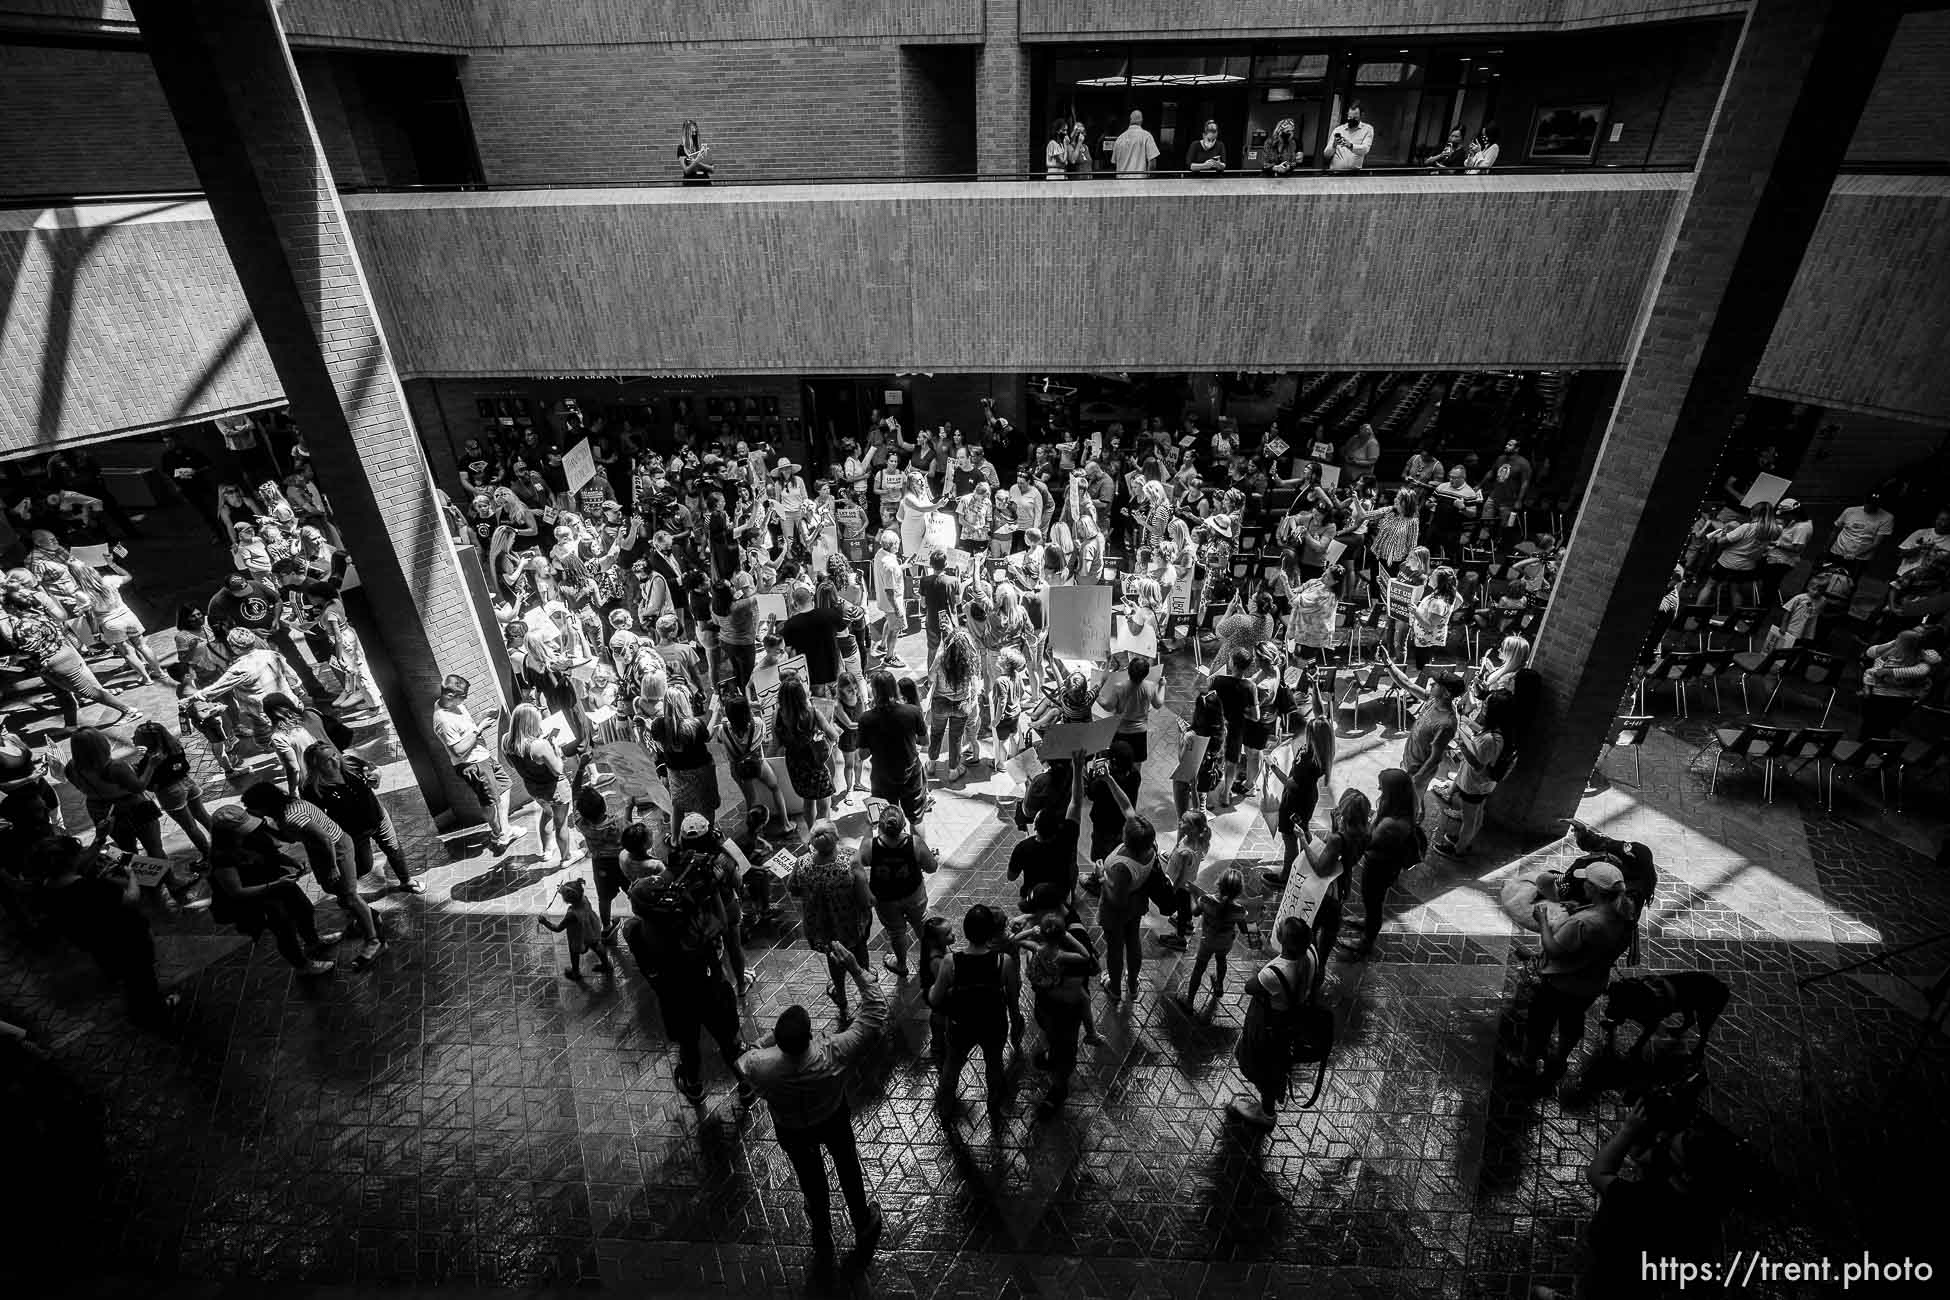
1713, 785
1638, 775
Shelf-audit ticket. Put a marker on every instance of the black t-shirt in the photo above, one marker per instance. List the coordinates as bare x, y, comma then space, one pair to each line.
256, 609
1202, 153
1235, 695
1106, 818
938, 593
1036, 862
194, 461
890, 733
815, 634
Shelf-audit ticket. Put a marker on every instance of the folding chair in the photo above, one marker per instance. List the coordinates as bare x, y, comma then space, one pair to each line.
1676, 668
1880, 755
1242, 567
1772, 664
1694, 621
1360, 681
1629, 733
1740, 623
1816, 745
1713, 664
1817, 669
1754, 743
1924, 756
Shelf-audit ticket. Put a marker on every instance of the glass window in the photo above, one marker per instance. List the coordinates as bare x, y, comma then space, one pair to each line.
1310, 66
1387, 72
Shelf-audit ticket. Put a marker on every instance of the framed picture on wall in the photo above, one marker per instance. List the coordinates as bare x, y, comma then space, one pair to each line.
1566, 132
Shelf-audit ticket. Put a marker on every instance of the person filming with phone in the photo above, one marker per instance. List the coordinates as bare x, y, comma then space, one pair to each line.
1347, 147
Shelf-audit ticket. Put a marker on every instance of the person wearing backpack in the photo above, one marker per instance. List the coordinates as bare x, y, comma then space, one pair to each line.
1277, 1000
1485, 751
898, 864
979, 990
677, 939
1126, 898
1059, 962
1580, 942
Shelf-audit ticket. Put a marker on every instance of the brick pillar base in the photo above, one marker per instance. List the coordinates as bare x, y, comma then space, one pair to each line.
227, 72
1800, 77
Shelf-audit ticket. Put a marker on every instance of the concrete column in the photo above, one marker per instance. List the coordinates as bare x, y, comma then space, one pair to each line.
228, 74
1799, 79
1002, 91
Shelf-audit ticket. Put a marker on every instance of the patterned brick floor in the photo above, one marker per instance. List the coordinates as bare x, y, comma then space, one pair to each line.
463, 1116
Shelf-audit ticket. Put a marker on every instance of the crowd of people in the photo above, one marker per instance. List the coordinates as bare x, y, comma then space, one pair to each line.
1069, 154
705, 602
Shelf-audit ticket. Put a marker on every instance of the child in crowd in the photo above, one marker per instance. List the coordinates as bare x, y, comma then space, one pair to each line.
211, 721
585, 932
1219, 917
1181, 871
602, 834
850, 702
757, 881
937, 941
1009, 690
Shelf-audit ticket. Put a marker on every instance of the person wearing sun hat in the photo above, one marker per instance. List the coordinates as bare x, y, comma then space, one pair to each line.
1583, 932
253, 888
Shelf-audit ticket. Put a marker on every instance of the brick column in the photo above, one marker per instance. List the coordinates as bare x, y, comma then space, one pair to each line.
1002, 132
1800, 76
227, 72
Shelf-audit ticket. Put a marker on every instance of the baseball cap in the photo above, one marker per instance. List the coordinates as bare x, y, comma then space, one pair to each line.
235, 818
1786, 505
696, 826
1604, 878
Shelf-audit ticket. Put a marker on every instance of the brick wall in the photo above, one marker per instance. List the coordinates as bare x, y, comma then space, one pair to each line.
1876, 284
937, 110
1017, 276
119, 319
1659, 86
545, 116
1096, 19
92, 120
582, 22
1908, 119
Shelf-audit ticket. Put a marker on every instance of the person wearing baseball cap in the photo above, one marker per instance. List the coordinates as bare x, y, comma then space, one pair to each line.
1581, 939
251, 889
1787, 548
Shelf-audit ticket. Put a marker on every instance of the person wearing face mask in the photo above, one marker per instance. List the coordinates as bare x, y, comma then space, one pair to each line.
1452, 155
1281, 156
1347, 147
1207, 156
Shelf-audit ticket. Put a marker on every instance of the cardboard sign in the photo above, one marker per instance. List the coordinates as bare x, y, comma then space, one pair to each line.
1276, 447
1181, 594
1401, 597
1096, 443
1125, 641
1323, 451
755, 466
782, 864
579, 465
634, 768
1066, 738
771, 604
852, 520
148, 872
1330, 476
1078, 619
1767, 487
1335, 549
1305, 891
941, 533
765, 691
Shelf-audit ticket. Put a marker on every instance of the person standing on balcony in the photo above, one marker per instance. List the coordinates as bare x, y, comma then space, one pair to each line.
1484, 149
1347, 148
1056, 154
1133, 153
1207, 156
693, 155
1282, 156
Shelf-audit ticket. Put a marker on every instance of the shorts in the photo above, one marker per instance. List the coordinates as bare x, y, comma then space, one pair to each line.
909, 793
1235, 740
1256, 733
849, 741
175, 796
1006, 727
1140, 745
912, 910
120, 630
485, 778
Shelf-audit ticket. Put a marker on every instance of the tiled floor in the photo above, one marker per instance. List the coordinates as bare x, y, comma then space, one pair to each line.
462, 1115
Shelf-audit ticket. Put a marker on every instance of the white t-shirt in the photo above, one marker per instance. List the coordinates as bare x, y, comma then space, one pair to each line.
1859, 532
1922, 542
887, 580
1347, 148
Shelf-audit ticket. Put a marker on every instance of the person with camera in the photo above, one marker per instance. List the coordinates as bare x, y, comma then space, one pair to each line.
343, 786
677, 937
1660, 1181
254, 887
802, 1076
474, 762
94, 903
1584, 920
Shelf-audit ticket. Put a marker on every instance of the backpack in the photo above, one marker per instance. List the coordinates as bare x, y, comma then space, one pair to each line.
1307, 1032
677, 922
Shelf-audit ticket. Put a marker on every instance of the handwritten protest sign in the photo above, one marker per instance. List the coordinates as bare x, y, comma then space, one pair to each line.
579, 464
1767, 487
1066, 738
1181, 595
1143, 642
1079, 622
634, 768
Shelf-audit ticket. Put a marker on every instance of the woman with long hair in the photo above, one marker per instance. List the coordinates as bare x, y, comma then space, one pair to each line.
1313, 765
538, 762
1413, 570
1331, 860
118, 800
693, 154
1485, 746
294, 731
744, 749
1392, 848
915, 507
1501, 666
1429, 619
683, 740
1742, 549
337, 784
954, 682
1396, 530
235, 505
806, 736
117, 623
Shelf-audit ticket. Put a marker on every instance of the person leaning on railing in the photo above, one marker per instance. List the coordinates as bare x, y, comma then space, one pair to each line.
1282, 156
